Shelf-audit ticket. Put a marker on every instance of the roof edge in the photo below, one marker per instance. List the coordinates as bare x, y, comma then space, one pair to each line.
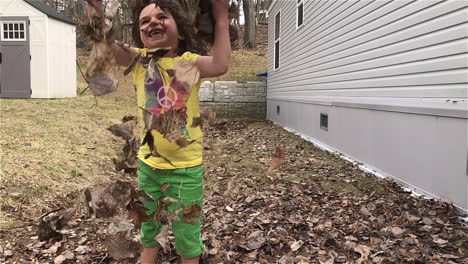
50, 12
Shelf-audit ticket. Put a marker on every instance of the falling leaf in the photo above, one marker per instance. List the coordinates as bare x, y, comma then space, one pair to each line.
117, 241
102, 84
163, 238
119, 248
277, 159
208, 115
48, 230
144, 194
106, 199
137, 211
124, 130
101, 62
197, 121
187, 71
119, 225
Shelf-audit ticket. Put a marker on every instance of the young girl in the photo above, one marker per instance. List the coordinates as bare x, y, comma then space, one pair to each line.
175, 172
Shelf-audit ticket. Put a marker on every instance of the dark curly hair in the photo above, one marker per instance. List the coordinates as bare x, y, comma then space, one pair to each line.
190, 42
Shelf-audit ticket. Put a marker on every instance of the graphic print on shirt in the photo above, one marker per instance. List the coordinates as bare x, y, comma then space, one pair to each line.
161, 98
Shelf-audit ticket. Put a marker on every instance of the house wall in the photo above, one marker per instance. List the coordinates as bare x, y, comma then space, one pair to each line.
38, 42
62, 59
392, 77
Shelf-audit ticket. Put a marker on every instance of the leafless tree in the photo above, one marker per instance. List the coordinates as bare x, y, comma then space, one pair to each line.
250, 24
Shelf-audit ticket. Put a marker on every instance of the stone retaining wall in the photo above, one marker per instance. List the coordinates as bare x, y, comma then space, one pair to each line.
233, 99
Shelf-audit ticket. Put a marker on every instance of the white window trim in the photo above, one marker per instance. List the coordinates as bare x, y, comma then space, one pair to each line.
297, 14
277, 40
13, 22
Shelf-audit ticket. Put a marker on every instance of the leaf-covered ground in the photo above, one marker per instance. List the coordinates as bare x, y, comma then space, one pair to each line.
316, 208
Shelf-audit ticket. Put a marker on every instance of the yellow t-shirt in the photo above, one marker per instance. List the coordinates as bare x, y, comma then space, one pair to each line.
158, 96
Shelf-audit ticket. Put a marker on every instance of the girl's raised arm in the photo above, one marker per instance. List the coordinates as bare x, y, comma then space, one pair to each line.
218, 64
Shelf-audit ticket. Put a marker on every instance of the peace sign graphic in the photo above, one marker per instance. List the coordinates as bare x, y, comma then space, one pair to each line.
166, 96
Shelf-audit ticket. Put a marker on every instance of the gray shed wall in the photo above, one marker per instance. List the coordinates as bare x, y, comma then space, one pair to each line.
392, 77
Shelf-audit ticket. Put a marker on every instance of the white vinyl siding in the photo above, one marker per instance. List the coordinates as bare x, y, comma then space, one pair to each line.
373, 46
62, 59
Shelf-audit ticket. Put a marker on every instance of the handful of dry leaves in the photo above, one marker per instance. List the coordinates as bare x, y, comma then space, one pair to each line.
100, 69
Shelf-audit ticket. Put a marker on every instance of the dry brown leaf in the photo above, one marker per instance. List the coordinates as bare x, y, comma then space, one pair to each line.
106, 199
191, 212
364, 251
101, 62
137, 211
163, 238
124, 130
197, 121
187, 71
277, 159
207, 114
296, 245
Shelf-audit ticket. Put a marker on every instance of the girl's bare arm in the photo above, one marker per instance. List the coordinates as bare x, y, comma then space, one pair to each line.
123, 54
218, 64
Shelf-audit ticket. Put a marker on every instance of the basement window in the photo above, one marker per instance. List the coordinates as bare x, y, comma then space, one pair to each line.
324, 121
300, 13
13, 31
277, 41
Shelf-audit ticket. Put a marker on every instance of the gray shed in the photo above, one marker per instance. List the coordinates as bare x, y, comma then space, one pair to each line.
37, 51
384, 82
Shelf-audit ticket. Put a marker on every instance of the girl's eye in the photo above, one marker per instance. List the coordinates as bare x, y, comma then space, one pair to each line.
145, 21
163, 17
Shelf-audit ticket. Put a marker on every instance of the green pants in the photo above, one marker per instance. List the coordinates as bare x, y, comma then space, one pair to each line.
178, 199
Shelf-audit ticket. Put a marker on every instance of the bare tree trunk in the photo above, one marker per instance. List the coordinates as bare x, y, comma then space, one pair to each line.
250, 24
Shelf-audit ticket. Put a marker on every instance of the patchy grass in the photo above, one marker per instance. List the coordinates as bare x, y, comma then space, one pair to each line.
50, 147
245, 64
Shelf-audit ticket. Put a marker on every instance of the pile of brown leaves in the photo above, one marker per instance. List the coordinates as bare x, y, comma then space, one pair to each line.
270, 198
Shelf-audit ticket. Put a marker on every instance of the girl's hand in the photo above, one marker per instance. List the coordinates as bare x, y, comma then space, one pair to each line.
220, 10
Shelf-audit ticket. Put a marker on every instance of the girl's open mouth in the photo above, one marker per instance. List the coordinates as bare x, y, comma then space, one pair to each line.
156, 33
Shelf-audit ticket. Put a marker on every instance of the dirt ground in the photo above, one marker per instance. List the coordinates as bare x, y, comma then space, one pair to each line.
315, 208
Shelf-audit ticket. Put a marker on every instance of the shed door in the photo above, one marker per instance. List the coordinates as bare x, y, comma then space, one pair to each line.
15, 65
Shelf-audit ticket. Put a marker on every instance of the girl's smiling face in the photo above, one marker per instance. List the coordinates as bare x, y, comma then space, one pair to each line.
158, 29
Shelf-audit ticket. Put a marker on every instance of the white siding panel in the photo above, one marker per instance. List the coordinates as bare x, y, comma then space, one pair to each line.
62, 59
440, 44
39, 58
333, 53
384, 44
